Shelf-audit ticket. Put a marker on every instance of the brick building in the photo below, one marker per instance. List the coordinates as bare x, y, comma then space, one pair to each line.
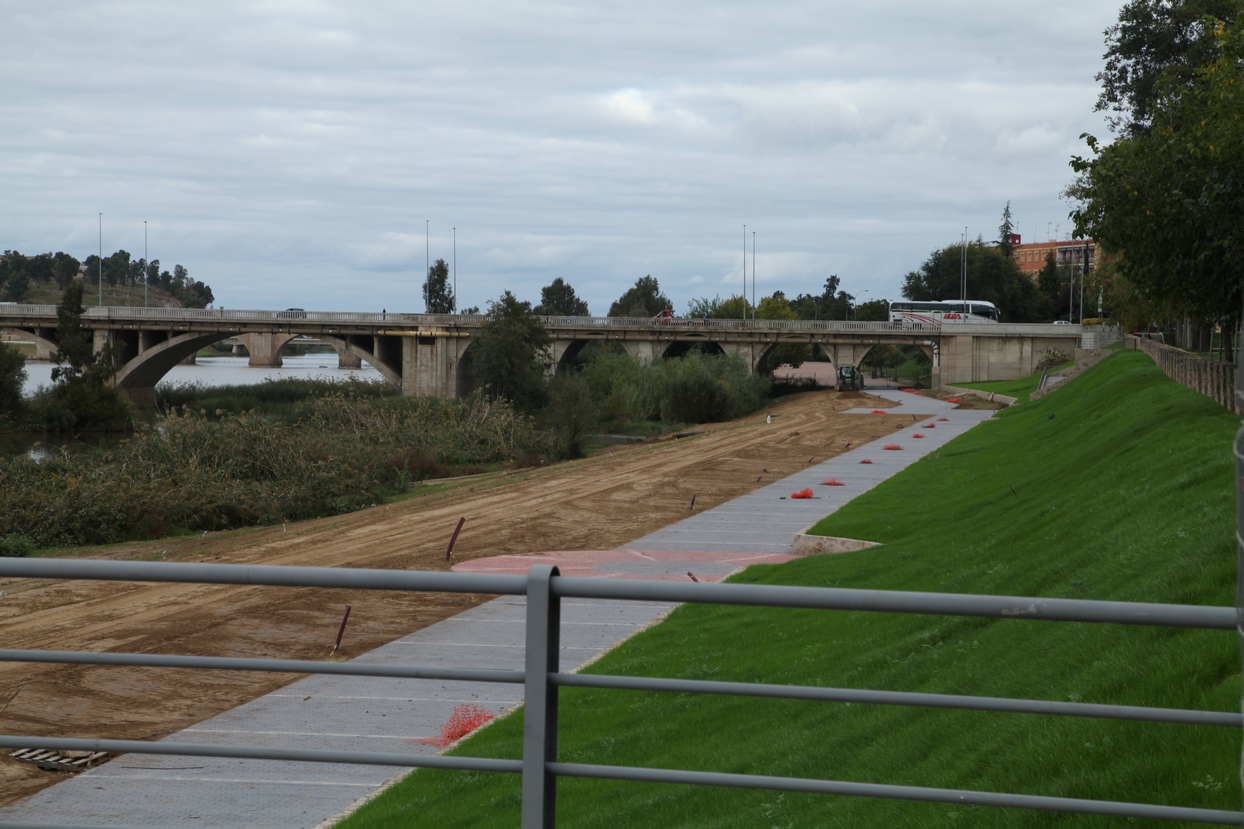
1031, 257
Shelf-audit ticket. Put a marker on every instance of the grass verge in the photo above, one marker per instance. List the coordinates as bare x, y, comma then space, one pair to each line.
1117, 487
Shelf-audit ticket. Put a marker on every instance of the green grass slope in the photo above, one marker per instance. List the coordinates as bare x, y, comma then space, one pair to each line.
1118, 486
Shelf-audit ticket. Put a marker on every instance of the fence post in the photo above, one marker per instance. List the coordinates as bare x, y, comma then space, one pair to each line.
540, 700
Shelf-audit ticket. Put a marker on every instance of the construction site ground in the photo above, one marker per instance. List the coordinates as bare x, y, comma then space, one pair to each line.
597, 503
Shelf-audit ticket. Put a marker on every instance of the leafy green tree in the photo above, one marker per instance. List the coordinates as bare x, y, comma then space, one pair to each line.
874, 310
732, 308
438, 296
81, 397
1167, 200
832, 303
558, 299
13, 278
1155, 51
12, 378
643, 299
511, 356
571, 413
1005, 231
64, 269
75, 354
777, 307
992, 277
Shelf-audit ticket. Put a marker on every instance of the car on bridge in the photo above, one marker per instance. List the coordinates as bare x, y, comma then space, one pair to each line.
667, 317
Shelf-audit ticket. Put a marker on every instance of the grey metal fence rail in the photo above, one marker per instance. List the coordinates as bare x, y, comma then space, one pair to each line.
542, 679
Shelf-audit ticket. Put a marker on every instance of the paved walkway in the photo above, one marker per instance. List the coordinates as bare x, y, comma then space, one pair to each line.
389, 715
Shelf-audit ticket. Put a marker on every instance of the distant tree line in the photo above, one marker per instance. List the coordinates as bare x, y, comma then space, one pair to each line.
18, 273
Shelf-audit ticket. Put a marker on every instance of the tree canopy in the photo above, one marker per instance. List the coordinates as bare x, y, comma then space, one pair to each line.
510, 356
1005, 231
438, 296
1154, 52
1166, 200
558, 299
643, 299
832, 303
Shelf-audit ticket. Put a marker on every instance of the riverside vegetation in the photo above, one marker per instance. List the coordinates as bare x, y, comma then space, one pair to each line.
220, 458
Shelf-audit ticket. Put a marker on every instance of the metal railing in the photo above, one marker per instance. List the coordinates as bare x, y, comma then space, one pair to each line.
542, 679
140, 314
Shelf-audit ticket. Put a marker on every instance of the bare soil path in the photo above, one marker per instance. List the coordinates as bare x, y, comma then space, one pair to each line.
597, 503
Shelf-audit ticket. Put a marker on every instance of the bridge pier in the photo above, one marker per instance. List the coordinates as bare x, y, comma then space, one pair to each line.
265, 349
430, 363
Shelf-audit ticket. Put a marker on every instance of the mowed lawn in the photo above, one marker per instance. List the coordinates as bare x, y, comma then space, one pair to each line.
1118, 486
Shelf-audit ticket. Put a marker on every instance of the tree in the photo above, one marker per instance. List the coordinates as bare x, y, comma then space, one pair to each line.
992, 277
1167, 200
13, 278
643, 299
1005, 231
831, 304
510, 357
74, 354
558, 299
777, 307
81, 397
1155, 51
732, 308
438, 297
64, 269
12, 378
874, 310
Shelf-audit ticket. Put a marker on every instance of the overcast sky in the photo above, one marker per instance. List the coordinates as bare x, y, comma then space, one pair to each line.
289, 153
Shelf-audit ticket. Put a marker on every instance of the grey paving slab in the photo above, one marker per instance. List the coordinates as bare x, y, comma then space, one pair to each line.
395, 715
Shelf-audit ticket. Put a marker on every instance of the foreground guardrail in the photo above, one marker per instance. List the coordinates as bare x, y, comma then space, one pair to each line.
542, 679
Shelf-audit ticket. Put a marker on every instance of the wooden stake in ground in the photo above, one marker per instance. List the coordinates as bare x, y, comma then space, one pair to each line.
449, 551
341, 630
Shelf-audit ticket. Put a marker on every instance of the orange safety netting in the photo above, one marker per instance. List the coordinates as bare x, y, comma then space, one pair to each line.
464, 719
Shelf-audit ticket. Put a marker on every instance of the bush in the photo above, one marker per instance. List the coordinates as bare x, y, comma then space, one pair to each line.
16, 546
1053, 357
199, 473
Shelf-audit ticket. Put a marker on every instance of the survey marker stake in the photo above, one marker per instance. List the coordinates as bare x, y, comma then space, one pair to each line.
692, 503
692, 575
449, 551
341, 630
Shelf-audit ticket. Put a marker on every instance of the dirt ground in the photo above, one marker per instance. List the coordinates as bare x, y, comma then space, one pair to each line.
600, 502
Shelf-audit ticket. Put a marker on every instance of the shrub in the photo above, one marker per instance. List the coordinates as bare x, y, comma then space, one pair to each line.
14, 545
1053, 357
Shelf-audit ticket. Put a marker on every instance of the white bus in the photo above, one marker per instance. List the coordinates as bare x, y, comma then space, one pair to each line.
910, 311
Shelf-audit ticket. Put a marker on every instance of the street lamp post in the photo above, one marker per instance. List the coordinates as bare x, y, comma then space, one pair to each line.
146, 266
427, 258
101, 260
456, 304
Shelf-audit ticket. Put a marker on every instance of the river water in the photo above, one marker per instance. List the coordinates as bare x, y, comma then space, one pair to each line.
232, 371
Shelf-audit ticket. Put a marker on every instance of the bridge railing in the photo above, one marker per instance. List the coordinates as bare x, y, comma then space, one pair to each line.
542, 678
399, 320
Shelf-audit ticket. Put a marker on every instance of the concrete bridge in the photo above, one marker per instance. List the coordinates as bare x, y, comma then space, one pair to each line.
430, 354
